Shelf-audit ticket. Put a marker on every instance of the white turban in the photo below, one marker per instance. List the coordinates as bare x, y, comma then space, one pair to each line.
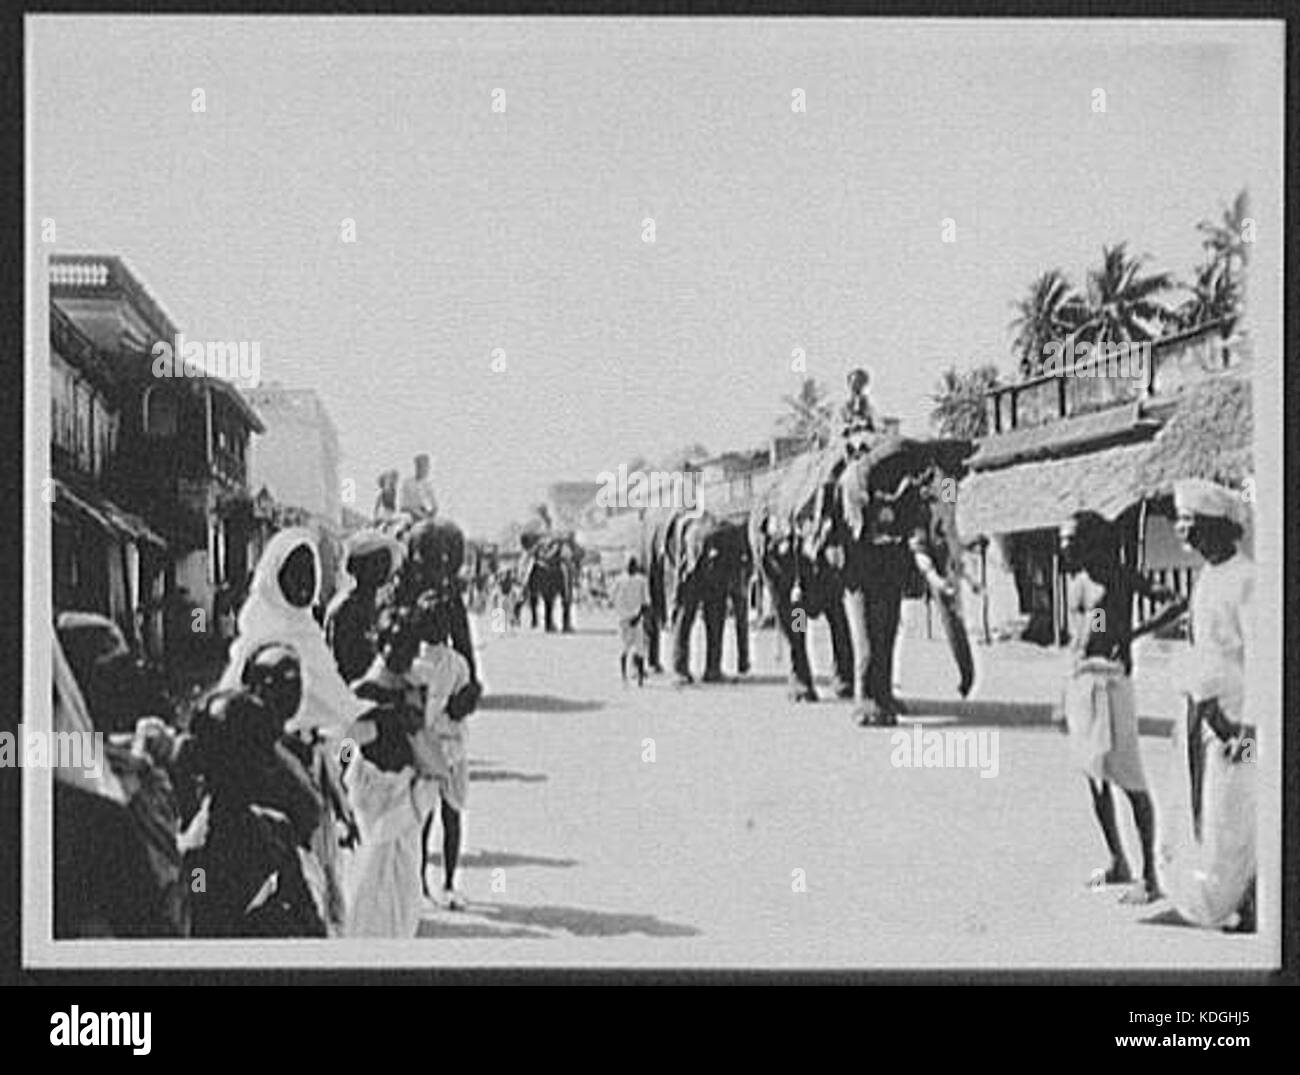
1199, 497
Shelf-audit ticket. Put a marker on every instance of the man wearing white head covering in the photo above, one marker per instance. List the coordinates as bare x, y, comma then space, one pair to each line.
1208, 837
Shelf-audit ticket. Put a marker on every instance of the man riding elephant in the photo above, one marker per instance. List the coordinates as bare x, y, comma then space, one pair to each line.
885, 513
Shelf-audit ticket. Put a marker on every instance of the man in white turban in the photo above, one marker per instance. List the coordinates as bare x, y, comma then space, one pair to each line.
1208, 842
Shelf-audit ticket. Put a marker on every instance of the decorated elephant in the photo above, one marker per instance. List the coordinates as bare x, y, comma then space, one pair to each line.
843, 538
696, 564
554, 559
892, 513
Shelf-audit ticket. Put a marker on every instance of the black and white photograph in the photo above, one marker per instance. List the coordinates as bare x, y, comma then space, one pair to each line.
639, 493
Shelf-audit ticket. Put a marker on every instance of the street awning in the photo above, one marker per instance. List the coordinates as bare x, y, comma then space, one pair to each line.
1034, 496
106, 515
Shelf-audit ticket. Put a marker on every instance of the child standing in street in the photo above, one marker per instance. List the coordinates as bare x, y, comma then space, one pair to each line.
440, 745
631, 599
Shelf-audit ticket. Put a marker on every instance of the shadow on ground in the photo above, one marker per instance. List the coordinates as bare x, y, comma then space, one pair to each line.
1008, 714
495, 775
537, 703
487, 860
581, 921
456, 928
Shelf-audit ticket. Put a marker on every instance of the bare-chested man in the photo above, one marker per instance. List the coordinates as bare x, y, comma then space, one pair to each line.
1100, 711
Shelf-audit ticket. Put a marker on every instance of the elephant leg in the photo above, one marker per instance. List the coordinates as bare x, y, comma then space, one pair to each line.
958, 642
841, 648
793, 622
884, 604
855, 612
683, 622
566, 601
715, 621
740, 610
652, 629
532, 607
548, 603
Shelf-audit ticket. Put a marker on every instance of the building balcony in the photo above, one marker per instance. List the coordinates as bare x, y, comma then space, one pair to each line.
1159, 371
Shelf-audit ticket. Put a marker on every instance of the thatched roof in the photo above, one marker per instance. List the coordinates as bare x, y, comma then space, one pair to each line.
1043, 495
1209, 436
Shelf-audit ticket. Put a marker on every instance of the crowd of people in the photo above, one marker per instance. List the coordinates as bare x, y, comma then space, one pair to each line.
299, 799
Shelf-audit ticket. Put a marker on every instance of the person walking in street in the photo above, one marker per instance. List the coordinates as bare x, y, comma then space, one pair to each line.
1098, 702
416, 497
631, 598
1208, 841
440, 746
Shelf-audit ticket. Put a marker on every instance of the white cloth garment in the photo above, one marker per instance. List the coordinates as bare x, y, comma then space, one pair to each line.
267, 616
1207, 878
441, 746
384, 886
1221, 628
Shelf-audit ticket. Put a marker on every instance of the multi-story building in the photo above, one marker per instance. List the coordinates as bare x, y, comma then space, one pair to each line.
573, 504
296, 462
104, 558
1108, 440
170, 449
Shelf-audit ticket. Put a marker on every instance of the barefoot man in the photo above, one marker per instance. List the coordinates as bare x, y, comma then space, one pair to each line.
1100, 713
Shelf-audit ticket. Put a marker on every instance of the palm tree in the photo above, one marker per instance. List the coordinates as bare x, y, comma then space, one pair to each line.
961, 402
1224, 240
810, 414
1223, 277
1050, 311
1215, 296
1121, 307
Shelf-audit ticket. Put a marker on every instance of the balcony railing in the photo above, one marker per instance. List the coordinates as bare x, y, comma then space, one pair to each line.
1105, 381
229, 466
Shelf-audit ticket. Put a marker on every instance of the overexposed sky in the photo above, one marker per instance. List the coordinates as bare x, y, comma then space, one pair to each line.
523, 230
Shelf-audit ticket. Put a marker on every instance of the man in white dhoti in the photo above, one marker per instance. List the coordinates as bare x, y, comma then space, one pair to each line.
1098, 703
1208, 837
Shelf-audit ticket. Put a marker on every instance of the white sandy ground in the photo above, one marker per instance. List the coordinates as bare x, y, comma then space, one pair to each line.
686, 861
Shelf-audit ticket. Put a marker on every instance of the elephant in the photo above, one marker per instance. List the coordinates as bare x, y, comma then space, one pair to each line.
892, 512
552, 574
843, 537
801, 579
696, 563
